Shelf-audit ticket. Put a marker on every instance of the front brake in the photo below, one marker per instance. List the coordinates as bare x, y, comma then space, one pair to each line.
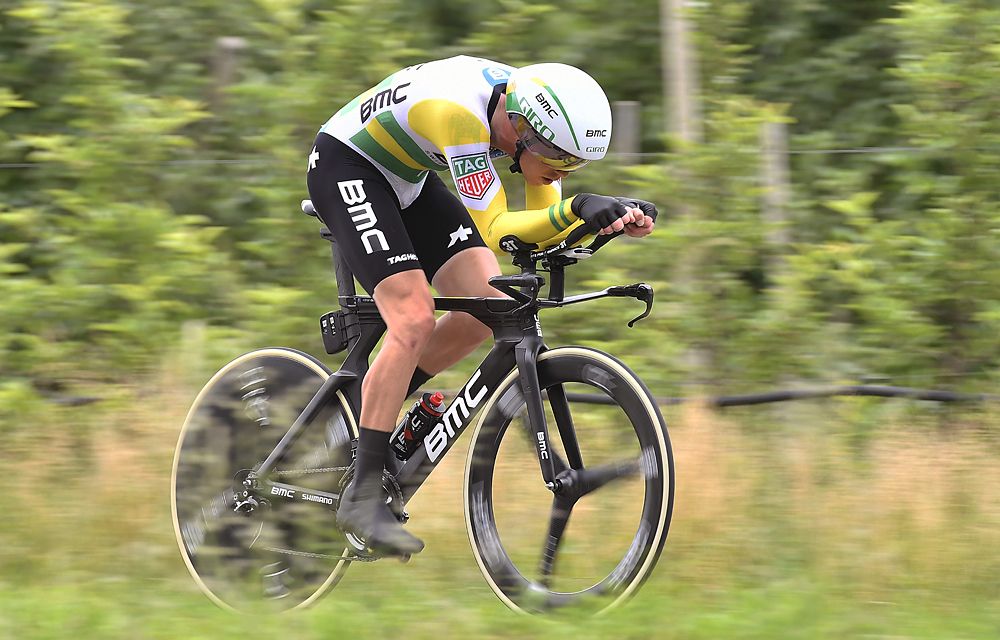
640, 291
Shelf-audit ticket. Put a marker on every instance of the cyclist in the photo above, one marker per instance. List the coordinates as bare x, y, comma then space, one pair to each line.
372, 178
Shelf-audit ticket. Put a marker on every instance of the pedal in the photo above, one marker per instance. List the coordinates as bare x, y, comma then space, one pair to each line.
403, 515
273, 581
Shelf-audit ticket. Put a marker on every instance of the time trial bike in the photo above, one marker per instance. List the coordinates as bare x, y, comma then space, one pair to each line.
555, 517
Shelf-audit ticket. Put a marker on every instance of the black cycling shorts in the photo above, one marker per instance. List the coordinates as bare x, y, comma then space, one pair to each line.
374, 234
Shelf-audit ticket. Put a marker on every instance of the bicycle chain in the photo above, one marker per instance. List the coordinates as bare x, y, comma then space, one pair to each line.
302, 472
309, 554
321, 556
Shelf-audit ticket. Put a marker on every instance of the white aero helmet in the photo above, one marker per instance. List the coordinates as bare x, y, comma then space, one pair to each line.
560, 114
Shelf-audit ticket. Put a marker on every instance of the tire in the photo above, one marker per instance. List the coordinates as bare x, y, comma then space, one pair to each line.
277, 558
615, 534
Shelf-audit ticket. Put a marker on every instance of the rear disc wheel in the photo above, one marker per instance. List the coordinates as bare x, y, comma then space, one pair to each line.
246, 549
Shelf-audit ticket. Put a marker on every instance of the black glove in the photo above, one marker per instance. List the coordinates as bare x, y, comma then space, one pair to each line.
648, 208
597, 211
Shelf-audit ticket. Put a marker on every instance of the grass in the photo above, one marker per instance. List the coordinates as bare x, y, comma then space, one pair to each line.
826, 520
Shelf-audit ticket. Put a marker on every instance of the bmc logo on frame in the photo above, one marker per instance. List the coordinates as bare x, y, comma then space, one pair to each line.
473, 174
461, 407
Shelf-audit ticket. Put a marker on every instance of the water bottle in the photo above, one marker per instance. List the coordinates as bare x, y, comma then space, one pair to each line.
416, 423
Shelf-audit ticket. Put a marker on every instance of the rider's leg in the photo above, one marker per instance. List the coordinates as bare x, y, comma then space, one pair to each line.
405, 303
363, 212
457, 334
456, 260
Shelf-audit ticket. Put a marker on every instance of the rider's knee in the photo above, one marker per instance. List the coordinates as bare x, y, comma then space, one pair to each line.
405, 303
420, 323
412, 324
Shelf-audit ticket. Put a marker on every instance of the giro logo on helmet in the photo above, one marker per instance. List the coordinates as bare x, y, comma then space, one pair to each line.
496, 75
535, 120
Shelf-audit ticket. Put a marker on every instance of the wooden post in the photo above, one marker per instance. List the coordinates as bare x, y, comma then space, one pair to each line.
775, 180
774, 174
625, 132
225, 64
192, 350
683, 119
680, 74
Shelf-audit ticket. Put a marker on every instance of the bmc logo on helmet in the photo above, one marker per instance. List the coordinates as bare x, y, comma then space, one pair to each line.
535, 121
596, 133
546, 107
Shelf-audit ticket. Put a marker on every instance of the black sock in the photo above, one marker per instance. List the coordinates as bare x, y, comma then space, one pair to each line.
372, 447
419, 378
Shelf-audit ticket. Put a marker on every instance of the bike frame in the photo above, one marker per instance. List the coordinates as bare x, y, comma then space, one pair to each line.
518, 341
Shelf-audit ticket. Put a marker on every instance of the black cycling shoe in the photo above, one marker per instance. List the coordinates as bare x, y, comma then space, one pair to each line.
371, 518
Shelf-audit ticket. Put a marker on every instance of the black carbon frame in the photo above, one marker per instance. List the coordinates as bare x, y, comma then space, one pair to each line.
517, 338
517, 342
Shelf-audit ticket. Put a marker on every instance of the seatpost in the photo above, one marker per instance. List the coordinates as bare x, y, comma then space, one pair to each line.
345, 278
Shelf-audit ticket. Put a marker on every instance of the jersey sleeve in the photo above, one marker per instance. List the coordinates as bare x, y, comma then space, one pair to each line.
465, 141
542, 196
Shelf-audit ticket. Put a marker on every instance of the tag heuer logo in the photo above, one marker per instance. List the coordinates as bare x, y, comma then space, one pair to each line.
473, 175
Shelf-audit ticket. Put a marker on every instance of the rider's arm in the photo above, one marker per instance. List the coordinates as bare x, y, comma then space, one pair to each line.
464, 139
544, 227
542, 196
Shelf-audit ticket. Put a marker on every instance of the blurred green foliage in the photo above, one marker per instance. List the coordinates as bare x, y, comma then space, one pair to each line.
119, 223
148, 198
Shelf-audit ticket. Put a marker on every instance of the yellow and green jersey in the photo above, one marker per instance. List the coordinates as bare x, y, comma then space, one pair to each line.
436, 117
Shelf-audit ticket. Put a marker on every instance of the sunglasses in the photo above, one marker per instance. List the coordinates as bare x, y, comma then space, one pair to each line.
544, 150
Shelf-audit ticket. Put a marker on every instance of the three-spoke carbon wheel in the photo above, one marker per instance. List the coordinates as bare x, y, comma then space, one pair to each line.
594, 541
247, 549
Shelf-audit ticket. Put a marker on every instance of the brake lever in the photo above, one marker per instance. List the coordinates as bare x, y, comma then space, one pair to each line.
641, 291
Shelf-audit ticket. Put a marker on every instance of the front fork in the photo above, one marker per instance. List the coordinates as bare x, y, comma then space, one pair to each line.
559, 475
549, 461
526, 354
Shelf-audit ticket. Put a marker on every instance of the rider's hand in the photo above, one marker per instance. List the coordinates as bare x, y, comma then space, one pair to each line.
644, 216
602, 214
